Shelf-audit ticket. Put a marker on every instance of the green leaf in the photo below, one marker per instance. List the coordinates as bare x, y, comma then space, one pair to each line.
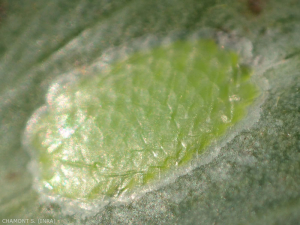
254, 180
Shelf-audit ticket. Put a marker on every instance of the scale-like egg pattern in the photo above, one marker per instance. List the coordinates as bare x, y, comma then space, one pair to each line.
148, 114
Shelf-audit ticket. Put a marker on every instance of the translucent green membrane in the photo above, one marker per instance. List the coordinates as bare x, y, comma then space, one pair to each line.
147, 115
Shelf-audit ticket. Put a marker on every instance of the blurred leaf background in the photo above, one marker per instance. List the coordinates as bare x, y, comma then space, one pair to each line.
255, 179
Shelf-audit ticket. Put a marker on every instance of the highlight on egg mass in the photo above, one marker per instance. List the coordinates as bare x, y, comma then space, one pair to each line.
147, 116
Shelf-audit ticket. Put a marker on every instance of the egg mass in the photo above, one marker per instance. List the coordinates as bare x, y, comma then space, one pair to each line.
148, 114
